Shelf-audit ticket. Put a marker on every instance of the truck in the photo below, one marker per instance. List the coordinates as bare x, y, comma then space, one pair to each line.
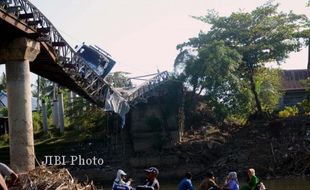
98, 59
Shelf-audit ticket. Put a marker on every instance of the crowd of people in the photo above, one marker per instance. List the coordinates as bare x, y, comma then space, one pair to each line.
208, 183
9, 177
151, 181
231, 182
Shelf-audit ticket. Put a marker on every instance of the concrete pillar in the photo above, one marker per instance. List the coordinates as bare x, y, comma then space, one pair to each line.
44, 116
61, 113
55, 113
17, 54
55, 116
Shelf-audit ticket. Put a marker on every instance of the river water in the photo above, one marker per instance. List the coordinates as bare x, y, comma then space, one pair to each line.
278, 184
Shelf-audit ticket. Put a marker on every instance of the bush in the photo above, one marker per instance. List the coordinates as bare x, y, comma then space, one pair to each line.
37, 121
289, 111
4, 140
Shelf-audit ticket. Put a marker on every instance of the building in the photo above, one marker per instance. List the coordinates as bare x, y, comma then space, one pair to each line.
294, 92
4, 124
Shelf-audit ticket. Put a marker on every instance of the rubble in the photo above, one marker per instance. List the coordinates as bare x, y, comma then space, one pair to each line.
49, 178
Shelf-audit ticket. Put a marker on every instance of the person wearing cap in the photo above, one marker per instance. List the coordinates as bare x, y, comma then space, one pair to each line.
120, 181
186, 183
209, 183
151, 178
5, 171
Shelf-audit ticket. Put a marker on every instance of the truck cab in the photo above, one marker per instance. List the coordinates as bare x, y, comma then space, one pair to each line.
96, 58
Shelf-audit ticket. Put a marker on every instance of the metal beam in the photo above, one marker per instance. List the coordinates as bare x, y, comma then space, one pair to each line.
12, 20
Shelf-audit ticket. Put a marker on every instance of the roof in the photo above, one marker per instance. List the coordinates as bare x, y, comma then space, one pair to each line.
291, 79
4, 101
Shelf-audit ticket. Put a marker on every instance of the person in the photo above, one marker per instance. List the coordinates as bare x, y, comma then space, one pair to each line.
6, 172
2, 184
231, 182
209, 183
186, 183
151, 178
119, 182
253, 181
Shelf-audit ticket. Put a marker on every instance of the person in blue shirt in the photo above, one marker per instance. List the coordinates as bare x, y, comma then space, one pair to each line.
186, 183
231, 182
119, 182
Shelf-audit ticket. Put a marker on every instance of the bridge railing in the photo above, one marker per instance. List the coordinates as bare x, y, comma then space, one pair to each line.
144, 90
74, 65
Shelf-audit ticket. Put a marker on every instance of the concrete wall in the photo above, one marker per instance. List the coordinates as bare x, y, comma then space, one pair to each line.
152, 125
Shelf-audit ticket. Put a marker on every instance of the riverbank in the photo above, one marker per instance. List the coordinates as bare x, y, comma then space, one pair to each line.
276, 149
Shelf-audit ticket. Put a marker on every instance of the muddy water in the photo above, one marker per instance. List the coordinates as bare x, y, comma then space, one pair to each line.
280, 184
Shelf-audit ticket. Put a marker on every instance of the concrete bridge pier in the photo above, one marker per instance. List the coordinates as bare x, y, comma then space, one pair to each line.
17, 54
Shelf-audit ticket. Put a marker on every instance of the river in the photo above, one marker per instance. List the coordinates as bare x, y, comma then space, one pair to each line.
278, 184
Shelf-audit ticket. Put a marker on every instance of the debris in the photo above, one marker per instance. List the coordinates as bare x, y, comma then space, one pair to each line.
49, 178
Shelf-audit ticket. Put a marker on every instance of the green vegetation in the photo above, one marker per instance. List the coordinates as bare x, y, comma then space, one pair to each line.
289, 111
226, 65
221, 77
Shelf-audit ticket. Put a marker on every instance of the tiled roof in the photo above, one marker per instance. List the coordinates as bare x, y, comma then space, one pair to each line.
291, 79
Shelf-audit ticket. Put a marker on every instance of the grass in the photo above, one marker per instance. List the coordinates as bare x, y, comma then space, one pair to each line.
53, 143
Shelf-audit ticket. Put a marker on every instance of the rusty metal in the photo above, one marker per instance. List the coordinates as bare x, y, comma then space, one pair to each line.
30, 19
143, 91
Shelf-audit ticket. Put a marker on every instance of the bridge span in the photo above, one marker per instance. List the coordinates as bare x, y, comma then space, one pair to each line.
29, 42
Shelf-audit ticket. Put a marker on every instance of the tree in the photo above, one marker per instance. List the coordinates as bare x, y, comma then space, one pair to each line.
3, 82
268, 84
119, 79
261, 36
213, 73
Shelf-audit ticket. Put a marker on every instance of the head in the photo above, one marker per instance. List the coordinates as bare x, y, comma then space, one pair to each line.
188, 175
232, 175
121, 174
151, 173
210, 175
251, 172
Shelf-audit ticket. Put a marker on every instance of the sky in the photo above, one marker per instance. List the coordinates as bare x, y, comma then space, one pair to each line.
142, 35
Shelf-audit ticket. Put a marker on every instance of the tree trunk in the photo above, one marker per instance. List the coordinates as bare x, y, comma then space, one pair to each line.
253, 89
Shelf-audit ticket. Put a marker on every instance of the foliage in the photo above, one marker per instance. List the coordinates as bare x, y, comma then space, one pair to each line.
36, 121
3, 82
45, 90
4, 111
236, 119
84, 115
289, 111
4, 140
213, 73
268, 83
119, 80
261, 36
305, 104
